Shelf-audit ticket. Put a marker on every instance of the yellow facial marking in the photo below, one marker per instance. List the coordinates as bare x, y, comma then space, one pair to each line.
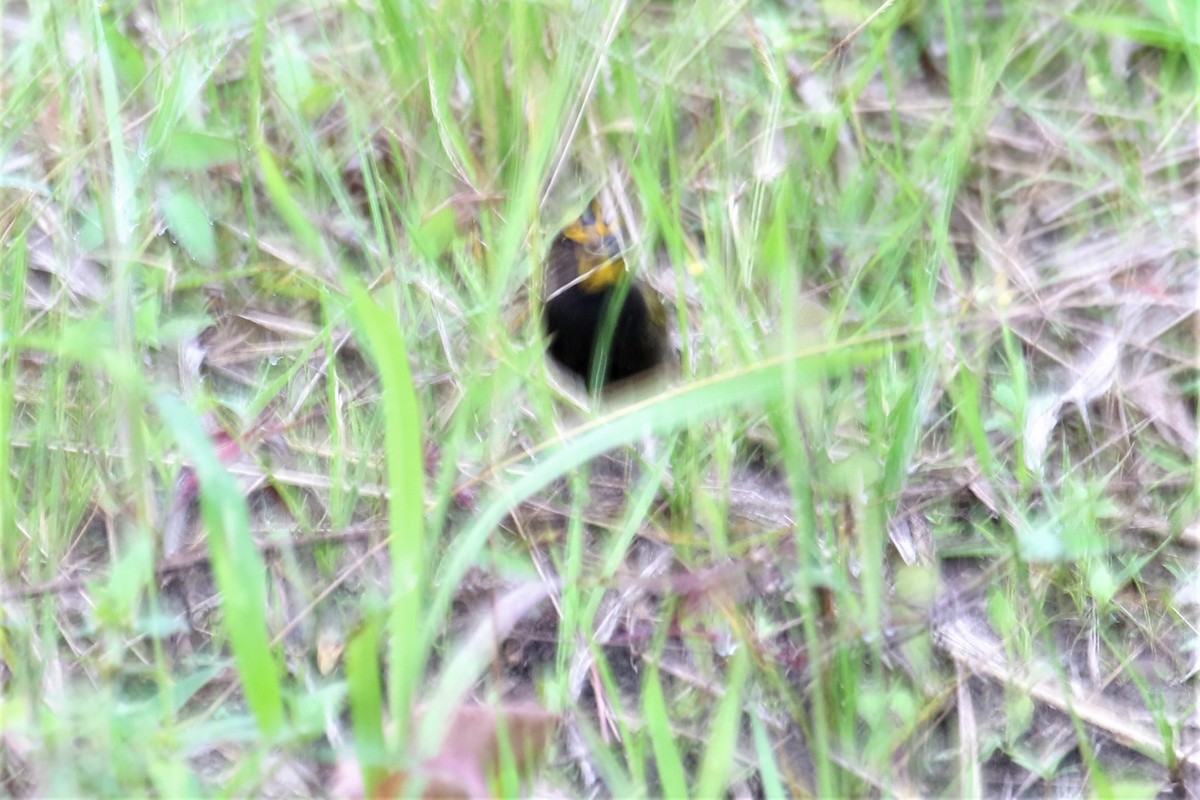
600, 262
590, 228
600, 273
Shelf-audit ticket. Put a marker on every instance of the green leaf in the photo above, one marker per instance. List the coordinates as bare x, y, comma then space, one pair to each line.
196, 151
146, 319
88, 231
1001, 614
289, 65
1102, 583
127, 60
436, 234
181, 693
1135, 28
117, 600
319, 99
281, 195
189, 224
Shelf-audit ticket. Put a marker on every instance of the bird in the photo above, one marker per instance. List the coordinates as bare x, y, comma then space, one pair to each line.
586, 277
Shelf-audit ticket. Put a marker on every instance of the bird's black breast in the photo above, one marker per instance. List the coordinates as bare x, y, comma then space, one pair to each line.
574, 321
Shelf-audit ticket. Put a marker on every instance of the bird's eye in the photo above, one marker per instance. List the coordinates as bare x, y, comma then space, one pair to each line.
588, 218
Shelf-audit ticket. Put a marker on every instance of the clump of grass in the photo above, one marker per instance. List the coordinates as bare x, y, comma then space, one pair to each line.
916, 514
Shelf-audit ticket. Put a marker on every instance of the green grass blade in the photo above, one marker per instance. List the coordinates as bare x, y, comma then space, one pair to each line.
662, 739
723, 733
767, 768
406, 484
286, 204
366, 702
673, 410
237, 565
12, 286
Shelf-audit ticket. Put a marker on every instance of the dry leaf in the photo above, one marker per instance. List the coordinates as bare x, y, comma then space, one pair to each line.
330, 645
470, 759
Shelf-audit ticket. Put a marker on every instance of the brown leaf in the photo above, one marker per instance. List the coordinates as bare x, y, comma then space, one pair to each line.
481, 744
483, 738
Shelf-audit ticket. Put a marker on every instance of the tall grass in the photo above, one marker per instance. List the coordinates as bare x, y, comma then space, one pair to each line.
892, 456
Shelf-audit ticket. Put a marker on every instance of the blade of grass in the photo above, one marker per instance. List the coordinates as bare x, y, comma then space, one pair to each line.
380, 331
670, 411
237, 565
768, 770
662, 739
10, 328
723, 733
286, 204
366, 703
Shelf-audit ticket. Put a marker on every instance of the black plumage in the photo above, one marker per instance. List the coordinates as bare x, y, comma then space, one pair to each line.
585, 277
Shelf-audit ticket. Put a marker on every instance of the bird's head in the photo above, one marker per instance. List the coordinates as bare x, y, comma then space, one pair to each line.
587, 253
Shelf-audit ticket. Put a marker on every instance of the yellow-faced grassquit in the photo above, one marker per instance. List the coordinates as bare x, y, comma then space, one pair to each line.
595, 311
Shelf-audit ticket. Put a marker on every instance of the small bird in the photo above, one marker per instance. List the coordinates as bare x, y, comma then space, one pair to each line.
585, 278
